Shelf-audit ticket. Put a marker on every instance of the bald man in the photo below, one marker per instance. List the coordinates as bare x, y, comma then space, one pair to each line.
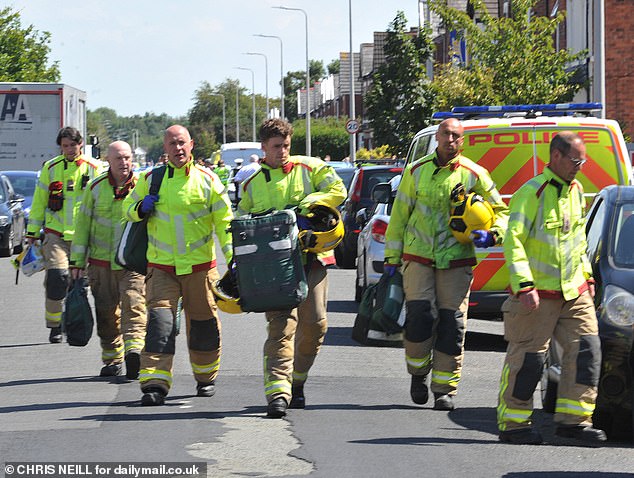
119, 294
191, 205
436, 266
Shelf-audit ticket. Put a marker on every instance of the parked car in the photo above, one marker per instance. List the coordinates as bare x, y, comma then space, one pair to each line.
346, 173
610, 234
24, 183
359, 196
371, 242
12, 222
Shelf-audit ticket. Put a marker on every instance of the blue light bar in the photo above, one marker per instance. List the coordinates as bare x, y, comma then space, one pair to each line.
526, 108
562, 109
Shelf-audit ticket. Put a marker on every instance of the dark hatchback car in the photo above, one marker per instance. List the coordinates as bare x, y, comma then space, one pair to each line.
12, 222
610, 235
359, 196
24, 183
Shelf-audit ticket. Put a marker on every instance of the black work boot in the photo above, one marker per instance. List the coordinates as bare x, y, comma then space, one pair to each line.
111, 370
132, 365
205, 389
153, 396
297, 400
277, 408
521, 436
55, 335
443, 402
418, 390
581, 433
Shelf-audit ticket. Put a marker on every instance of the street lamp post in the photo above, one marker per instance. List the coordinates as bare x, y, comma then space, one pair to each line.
266, 80
252, 94
281, 68
224, 122
307, 80
353, 113
237, 111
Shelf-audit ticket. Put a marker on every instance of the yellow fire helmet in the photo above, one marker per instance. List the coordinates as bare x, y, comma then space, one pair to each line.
326, 229
470, 215
226, 294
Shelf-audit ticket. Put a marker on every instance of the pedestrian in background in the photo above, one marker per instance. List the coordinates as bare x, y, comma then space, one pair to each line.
119, 294
436, 267
552, 296
245, 172
190, 206
294, 336
56, 200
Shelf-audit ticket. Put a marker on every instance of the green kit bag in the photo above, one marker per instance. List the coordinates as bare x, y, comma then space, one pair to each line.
268, 259
77, 320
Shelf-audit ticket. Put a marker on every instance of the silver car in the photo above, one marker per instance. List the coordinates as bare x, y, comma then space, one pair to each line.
371, 242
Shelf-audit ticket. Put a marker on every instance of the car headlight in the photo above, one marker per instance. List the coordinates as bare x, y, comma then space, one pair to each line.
4, 220
618, 306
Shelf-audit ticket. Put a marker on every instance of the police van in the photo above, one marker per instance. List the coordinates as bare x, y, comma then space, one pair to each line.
512, 143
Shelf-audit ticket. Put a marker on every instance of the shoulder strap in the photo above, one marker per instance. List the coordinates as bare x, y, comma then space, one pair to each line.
157, 178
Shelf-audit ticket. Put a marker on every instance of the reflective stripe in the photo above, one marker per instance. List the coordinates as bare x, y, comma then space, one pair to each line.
151, 373
102, 221
299, 377
100, 242
164, 246
161, 215
179, 229
445, 378
53, 316
77, 249
197, 215
418, 362
206, 368
200, 242
134, 344
110, 354
505, 414
574, 407
277, 386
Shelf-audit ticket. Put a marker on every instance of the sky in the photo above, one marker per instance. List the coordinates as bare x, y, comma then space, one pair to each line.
138, 56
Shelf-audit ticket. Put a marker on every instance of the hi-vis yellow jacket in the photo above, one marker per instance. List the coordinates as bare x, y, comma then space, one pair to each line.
545, 245
74, 176
192, 205
308, 180
419, 224
99, 224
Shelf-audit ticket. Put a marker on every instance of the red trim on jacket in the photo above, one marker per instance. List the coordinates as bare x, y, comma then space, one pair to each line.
53, 231
195, 268
467, 261
98, 262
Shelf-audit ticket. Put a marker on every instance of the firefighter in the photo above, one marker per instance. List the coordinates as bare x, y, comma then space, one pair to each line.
223, 171
295, 335
56, 200
191, 205
552, 296
119, 294
436, 265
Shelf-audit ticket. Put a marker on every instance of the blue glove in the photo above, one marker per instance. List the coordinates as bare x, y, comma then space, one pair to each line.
390, 269
147, 205
482, 238
303, 223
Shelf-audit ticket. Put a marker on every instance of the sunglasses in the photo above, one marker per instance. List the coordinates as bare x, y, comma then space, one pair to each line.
575, 161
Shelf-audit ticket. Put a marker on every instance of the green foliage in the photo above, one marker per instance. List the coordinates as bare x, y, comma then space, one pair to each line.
327, 136
381, 152
24, 51
109, 127
511, 60
334, 67
400, 101
295, 80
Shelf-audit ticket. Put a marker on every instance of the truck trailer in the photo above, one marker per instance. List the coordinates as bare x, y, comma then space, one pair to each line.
31, 115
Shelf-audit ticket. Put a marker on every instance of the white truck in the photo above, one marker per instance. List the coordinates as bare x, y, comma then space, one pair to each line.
31, 115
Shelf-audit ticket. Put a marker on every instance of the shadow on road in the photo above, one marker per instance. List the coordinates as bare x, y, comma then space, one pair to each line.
342, 306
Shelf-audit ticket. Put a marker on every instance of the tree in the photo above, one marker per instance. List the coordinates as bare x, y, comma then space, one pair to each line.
334, 67
400, 100
296, 80
24, 51
327, 136
510, 60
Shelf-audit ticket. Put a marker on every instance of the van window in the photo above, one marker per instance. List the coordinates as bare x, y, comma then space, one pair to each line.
420, 148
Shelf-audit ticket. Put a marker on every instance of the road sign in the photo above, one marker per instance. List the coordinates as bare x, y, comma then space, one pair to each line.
352, 126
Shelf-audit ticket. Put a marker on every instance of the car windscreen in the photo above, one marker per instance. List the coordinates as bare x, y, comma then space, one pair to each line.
372, 178
24, 185
623, 244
